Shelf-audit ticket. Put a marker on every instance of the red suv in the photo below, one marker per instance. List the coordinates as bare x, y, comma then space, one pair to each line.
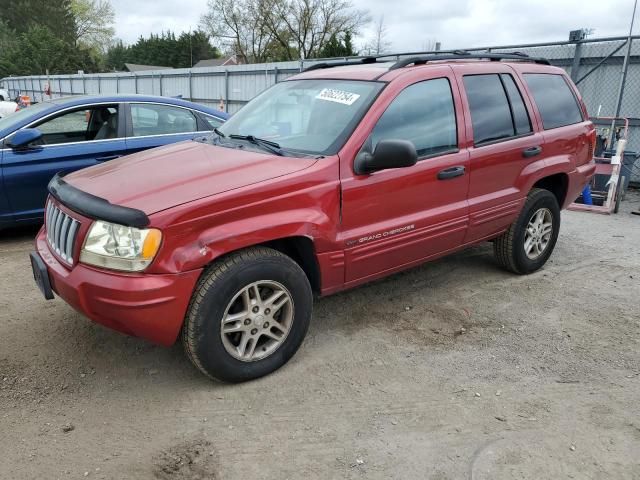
336, 177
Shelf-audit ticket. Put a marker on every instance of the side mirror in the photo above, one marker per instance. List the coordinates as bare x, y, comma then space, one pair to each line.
388, 154
23, 138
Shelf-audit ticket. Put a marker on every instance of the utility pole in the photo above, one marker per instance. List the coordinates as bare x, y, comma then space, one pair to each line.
625, 65
623, 76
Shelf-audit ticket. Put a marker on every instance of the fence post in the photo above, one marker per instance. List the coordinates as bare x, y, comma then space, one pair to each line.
60, 86
623, 77
99, 84
160, 78
117, 84
71, 84
275, 74
190, 87
577, 56
84, 84
226, 90
135, 82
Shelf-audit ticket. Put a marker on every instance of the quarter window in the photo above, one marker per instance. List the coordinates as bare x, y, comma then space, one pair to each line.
213, 122
422, 113
555, 100
150, 119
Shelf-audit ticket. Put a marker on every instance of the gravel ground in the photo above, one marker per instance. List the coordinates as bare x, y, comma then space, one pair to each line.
452, 370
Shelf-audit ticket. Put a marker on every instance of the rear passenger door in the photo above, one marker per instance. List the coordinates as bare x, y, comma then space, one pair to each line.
153, 125
502, 141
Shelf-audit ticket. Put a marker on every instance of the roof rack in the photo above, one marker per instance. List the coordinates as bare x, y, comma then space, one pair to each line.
461, 54
360, 61
422, 59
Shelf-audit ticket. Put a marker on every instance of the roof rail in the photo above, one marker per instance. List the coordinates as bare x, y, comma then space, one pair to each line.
462, 54
361, 61
422, 59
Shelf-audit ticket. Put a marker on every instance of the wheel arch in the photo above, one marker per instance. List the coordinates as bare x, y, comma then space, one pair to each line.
557, 183
302, 250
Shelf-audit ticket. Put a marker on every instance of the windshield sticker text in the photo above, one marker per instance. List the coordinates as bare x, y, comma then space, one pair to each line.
338, 96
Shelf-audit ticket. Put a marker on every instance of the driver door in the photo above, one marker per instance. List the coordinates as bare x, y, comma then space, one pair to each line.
396, 217
71, 140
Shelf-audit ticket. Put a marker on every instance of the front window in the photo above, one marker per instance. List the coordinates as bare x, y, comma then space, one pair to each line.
424, 114
83, 124
310, 116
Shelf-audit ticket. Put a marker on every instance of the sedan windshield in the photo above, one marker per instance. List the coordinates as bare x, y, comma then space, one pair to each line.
16, 118
310, 116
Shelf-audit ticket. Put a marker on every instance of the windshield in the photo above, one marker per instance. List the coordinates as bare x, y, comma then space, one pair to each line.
20, 115
311, 116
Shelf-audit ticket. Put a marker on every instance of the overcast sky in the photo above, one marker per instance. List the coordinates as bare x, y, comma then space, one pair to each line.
415, 24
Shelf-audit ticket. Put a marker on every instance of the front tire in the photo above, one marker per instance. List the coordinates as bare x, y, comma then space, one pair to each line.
248, 315
528, 243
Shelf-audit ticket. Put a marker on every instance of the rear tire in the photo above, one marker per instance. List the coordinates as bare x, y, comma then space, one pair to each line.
528, 243
248, 315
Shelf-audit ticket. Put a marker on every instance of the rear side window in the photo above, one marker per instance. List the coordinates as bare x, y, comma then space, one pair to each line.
490, 112
154, 119
422, 113
555, 100
213, 122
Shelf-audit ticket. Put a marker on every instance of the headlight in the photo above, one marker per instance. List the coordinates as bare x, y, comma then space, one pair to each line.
118, 247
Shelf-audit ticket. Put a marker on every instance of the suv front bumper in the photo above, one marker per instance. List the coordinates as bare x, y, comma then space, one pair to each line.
147, 306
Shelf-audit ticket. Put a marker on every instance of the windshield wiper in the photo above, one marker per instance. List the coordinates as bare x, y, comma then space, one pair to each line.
273, 147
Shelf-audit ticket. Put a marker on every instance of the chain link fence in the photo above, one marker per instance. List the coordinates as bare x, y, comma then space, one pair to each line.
596, 65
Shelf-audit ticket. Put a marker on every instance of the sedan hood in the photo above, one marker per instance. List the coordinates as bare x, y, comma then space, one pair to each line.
164, 177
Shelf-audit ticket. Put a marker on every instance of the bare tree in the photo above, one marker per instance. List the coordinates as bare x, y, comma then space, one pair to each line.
381, 44
280, 29
94, 22
238, 28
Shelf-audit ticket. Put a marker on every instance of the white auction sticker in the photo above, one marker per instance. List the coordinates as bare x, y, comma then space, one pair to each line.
338, 96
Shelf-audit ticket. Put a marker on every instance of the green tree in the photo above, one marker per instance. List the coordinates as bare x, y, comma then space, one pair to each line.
338, 46
39, 49
94, 23
22, 15
163, 50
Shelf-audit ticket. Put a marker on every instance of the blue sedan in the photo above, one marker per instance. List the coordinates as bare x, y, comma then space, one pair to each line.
71, 133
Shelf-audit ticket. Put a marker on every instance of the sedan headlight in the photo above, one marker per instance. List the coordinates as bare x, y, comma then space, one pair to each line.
118, 247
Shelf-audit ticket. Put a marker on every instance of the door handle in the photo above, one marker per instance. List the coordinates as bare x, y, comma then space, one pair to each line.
532, 151
107, 158
451, 172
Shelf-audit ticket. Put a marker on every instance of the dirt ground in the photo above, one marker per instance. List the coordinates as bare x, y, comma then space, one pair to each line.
454, 370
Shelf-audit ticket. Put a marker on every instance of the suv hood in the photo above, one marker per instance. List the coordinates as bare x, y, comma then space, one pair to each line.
164, 177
